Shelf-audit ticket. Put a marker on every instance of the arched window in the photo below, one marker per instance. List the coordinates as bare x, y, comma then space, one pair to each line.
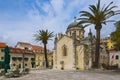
117, 57
75, 32
70, 33
64, 50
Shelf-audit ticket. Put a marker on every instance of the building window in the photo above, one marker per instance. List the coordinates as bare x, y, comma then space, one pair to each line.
19, 58
64, 50
39, 51
75, 32
25, 64
13, 64
14, 58
32, 59
117, 57
42, 51
26, 48
19, 65
26, 59
2, 50
2, 58
70, 33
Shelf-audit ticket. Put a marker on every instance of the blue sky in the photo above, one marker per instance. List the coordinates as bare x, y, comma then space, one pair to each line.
20, 19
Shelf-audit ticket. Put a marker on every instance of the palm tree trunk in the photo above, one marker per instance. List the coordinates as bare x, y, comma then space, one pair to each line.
97, 54
45, 53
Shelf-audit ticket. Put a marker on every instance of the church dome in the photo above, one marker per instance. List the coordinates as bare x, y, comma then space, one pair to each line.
74, 24
75, 28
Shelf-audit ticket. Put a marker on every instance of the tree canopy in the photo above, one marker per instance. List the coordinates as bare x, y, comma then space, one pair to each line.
115, 36
43, 36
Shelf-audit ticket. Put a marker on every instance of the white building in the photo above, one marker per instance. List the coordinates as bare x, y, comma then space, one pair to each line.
114, 58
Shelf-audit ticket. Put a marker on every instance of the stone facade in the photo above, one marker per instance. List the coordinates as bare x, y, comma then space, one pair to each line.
16, 57
71, 50
104, 55
68, 59
39, 57
31, 56
2, 45
114, 58
20, 55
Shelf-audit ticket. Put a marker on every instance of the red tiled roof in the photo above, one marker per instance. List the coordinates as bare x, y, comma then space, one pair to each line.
37, 47
18, 50
25, 43
2, 44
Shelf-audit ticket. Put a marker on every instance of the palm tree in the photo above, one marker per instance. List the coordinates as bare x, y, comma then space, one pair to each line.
44, 36
97, 17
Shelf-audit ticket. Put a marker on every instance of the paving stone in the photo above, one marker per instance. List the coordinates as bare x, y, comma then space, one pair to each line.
67, 75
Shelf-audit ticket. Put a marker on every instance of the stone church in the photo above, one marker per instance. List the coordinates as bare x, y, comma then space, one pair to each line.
72, 50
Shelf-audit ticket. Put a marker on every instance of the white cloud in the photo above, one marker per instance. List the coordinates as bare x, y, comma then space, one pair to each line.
58, 5
55, 16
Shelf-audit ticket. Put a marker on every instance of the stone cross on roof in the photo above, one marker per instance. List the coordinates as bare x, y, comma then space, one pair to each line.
75, 19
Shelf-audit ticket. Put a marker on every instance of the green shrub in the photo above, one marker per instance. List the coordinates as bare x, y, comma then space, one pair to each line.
13, 73
9, 74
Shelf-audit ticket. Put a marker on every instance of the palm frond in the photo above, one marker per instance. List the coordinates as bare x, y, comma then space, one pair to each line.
109, 15
98, 16
110, 21
83, 19
85, 13
107, 6
87, 25
98, 5
111, 8
84, 22
43, 36
103, 7
93, 9
117, 12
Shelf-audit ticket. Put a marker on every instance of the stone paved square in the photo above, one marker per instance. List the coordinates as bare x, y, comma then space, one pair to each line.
68, 75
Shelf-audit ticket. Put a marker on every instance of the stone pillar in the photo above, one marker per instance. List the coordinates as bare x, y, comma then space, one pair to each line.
74, 45
55, 52
90, 49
